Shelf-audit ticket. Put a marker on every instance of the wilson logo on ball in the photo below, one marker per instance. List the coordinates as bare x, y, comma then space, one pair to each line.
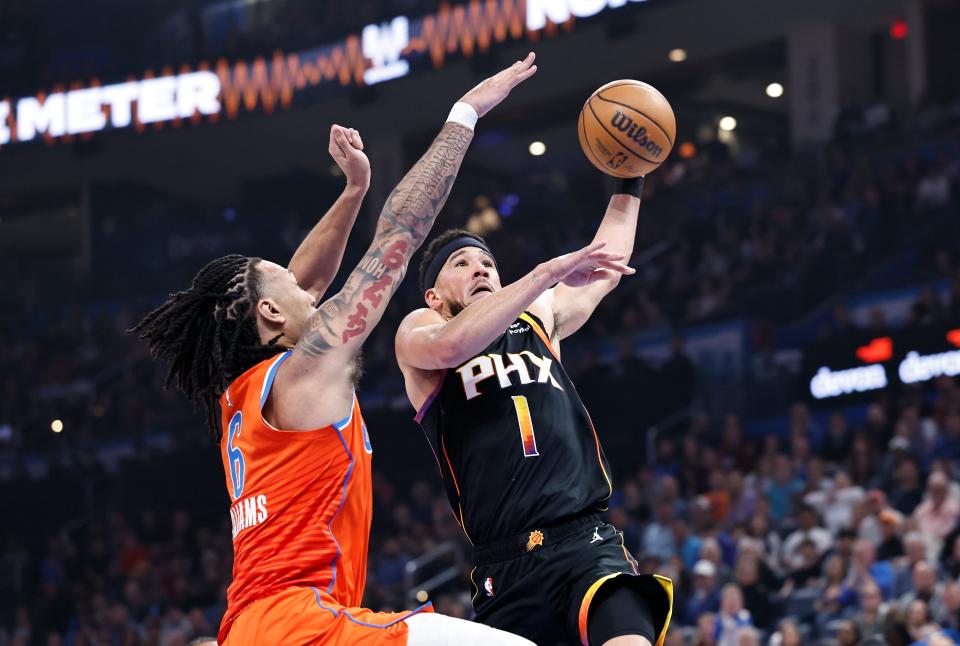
625, 124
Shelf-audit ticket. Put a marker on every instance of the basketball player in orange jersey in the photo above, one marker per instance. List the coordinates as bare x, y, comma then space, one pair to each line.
275, 376
520, 459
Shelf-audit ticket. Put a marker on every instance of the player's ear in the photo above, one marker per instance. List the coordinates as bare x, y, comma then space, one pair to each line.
268, 310
433, 299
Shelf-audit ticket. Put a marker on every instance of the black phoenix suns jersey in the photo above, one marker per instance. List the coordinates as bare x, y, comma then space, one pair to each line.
516, 447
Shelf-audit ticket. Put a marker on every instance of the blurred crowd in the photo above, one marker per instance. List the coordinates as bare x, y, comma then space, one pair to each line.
842, 529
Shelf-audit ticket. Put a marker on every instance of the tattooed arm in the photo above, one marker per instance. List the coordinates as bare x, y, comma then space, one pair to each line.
315, 386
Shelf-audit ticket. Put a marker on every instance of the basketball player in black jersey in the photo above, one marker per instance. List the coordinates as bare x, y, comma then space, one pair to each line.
520, 459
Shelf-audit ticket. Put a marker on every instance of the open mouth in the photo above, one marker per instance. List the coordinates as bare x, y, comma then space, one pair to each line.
481, 289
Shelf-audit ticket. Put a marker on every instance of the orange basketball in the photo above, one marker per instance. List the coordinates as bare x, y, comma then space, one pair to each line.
627, 128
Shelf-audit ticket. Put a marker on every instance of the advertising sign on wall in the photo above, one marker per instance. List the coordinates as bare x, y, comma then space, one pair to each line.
860, 365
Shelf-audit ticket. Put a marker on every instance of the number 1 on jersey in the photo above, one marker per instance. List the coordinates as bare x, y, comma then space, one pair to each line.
527, 435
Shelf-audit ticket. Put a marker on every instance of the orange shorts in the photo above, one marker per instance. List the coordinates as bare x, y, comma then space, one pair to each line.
308, 616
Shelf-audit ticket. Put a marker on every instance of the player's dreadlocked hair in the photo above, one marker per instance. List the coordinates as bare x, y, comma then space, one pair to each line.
208, 333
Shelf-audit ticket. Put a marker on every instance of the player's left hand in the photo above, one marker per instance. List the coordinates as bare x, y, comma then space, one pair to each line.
346, 148
586, 266
495, 89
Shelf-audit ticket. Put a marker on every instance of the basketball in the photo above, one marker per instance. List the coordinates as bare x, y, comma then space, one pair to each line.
626, 128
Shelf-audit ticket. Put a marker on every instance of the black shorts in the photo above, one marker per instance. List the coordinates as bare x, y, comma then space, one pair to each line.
540, 584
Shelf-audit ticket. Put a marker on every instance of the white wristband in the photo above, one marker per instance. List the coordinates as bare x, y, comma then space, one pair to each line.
464, 114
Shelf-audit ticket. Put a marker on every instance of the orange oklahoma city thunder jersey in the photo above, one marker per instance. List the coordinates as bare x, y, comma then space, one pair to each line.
301, 501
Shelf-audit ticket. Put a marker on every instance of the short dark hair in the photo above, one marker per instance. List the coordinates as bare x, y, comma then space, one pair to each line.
436, 245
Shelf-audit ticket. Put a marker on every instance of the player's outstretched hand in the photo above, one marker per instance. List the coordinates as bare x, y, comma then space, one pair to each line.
586, 266
495, 89
346, 148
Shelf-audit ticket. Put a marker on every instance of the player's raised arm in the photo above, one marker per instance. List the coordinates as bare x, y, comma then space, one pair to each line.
571, 305
333, 335
427, 341
316, 261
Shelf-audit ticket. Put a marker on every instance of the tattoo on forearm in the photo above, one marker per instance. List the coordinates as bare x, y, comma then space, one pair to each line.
406, 220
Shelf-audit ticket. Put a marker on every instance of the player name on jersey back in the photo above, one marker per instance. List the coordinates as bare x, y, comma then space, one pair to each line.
248, 512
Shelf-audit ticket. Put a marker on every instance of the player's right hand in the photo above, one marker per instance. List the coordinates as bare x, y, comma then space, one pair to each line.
346, 148
495, 89
586, 266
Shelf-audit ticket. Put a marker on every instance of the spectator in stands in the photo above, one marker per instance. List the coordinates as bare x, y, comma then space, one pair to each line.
735, 451
390, 568
764, 539
732, 616
907, 490
915, 550
806, 569
946, 608
706, 633
848, 634
836, 445
836, 501
788, 634
937, 515
862, 463
925, 586
756, 596
808, 530
743, 499
781, 489
718, 495
864, 567
890, 547
918, 620
658, 537
705, 596
868, 527
947, 445
950, 556
870, 619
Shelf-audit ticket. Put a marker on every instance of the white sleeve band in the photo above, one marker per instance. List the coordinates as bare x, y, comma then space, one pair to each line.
464, 114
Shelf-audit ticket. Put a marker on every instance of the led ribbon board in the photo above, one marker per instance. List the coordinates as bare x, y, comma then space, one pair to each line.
382, 52
859, 366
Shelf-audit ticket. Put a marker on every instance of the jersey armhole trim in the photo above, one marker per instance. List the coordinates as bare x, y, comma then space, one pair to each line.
426, 404
271, 375
265, 393
538, 328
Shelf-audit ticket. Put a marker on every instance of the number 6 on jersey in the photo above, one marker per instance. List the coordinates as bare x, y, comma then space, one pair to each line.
527, 435
237, 466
